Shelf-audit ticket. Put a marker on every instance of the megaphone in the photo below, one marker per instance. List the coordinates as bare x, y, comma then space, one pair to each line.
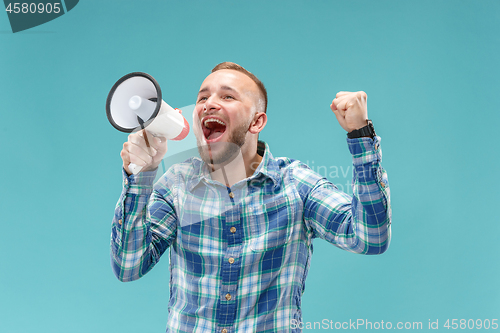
135, 102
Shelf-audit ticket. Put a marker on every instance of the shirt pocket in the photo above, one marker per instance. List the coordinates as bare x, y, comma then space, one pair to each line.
271, 225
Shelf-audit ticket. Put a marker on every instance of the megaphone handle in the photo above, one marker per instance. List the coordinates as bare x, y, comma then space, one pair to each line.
132, 166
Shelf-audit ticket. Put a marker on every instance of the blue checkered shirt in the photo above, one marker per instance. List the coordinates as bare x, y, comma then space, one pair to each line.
239, 256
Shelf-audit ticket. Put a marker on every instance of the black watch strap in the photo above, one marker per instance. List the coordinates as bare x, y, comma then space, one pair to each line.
368, 130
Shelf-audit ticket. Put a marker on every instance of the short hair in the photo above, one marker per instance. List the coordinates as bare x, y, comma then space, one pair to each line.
236, 67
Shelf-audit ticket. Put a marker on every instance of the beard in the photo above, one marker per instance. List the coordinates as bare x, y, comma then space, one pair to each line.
224, 152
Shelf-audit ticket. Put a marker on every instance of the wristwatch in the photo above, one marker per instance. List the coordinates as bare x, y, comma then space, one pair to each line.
367, 131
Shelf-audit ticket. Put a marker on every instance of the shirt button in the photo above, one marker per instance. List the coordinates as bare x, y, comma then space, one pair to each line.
120, 222
233, 230
231, 260
228, 297
224, 330
376, 146
382, 184
231, 195
126, 181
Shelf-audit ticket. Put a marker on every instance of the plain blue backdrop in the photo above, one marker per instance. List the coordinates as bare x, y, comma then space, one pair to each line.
430, 69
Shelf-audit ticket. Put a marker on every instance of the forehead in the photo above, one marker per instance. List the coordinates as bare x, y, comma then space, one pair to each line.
229, 78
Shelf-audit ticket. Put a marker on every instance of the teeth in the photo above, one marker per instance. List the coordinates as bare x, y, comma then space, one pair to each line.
214, 120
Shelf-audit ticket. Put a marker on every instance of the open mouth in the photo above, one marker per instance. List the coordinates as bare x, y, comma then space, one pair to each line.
213, 128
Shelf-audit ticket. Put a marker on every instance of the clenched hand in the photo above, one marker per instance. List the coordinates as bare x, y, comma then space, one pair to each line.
350, 109
136, 151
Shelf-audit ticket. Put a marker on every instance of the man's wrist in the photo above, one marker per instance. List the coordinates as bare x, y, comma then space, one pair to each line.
143, 179
366, 131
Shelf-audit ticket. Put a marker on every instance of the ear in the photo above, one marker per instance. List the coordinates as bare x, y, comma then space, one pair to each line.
258, 123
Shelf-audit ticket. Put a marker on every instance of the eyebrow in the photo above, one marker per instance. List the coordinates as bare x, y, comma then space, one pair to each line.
222, 88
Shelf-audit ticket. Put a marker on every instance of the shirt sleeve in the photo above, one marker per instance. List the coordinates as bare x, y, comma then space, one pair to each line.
143, 226
360, 223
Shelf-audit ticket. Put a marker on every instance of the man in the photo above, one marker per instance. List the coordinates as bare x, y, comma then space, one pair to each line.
240, 223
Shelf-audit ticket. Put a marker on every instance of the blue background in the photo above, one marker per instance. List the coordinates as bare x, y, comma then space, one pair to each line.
431, 72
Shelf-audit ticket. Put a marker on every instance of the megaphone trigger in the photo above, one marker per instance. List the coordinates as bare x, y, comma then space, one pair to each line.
141, 122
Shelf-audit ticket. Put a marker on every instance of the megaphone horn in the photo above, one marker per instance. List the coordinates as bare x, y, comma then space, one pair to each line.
135, 101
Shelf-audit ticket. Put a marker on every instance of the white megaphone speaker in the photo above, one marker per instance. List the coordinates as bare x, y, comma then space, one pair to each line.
135, 102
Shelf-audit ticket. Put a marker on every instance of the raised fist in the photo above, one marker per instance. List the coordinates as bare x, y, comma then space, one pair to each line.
350, 109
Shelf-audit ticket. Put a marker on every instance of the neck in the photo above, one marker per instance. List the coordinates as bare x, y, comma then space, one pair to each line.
239, 168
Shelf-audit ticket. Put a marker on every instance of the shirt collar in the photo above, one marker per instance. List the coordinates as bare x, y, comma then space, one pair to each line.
268, 167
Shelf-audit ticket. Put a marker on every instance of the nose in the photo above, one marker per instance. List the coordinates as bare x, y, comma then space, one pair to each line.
211, 105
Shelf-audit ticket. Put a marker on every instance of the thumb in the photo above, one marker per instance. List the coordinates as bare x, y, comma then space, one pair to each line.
338, 112
340, 115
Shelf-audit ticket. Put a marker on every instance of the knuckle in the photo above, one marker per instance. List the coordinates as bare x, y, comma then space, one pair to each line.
133, 138
125, 155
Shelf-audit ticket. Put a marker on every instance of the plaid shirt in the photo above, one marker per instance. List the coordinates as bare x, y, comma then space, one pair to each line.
239, 256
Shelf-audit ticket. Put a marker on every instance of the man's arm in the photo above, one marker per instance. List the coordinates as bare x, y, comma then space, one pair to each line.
359, 224
144, 223
144, 226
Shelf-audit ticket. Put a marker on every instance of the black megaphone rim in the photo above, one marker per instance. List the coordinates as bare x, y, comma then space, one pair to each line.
112, 91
